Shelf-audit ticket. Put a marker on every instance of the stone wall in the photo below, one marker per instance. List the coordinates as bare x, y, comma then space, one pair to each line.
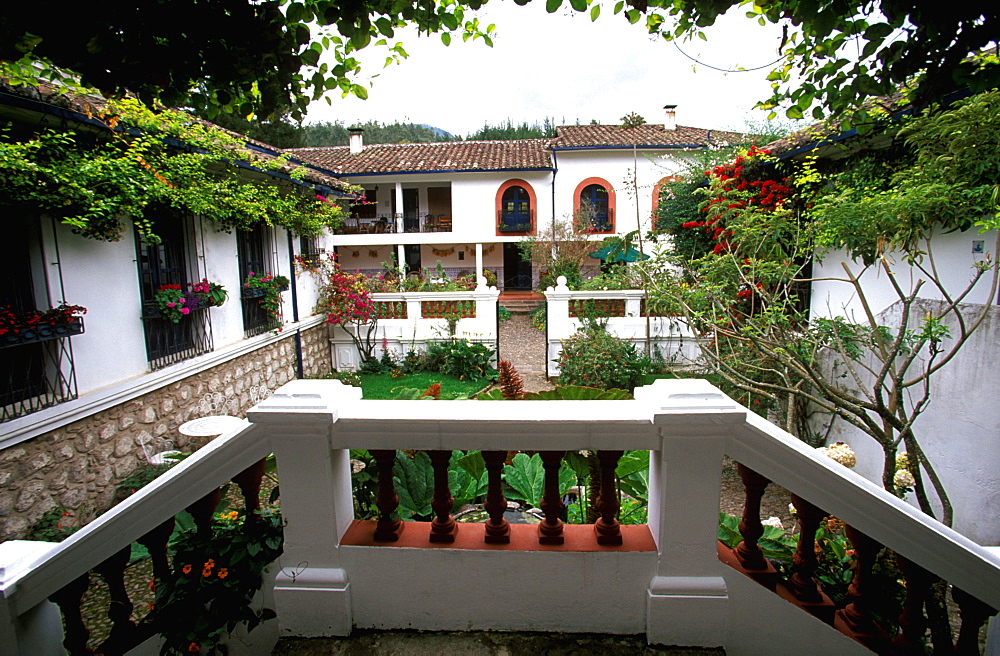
79, 466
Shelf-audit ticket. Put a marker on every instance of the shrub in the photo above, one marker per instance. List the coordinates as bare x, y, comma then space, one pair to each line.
462, 359
346, 377
595, 358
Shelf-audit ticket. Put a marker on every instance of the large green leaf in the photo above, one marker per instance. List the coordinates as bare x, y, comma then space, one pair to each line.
467, 477
632, 462
526, 479
414, 479
579, 393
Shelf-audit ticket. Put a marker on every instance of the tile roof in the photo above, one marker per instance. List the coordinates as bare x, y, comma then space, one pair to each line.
654, 136
437, 156
502, 155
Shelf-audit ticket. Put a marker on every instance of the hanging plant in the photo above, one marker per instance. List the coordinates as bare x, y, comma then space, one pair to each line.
268, 288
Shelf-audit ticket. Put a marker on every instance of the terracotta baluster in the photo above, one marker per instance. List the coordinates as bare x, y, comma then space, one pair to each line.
802, 583
444, 528
249, 481
68, 599
974, 614
747, 552
857, 616
120, 606
607, 528
156, 544
202, 511
387, 529
497, 528
912, 621
550, 530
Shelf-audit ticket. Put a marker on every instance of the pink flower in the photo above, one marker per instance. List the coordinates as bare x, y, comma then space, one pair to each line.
185, 311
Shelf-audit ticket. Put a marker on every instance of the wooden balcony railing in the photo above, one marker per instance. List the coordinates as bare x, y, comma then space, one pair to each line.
669, 578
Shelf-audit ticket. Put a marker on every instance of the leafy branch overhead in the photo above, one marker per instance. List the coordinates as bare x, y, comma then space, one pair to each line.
267, 57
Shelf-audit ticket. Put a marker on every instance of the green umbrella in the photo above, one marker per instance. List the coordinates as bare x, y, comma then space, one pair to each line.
630, 255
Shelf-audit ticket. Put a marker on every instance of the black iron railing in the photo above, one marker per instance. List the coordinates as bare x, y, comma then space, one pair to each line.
168, 342
39, 374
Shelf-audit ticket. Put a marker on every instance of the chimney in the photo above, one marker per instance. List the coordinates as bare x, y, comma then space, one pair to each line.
670, 118
356, 140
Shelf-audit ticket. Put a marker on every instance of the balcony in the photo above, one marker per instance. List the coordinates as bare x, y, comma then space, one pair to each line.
669, 579
394, 224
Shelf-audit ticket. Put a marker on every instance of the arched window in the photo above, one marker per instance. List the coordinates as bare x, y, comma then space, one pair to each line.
594, 206
515, 208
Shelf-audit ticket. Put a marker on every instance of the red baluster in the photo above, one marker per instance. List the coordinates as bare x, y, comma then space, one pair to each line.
156, 544
974, 614
249, 481
802, 583
497, 528
747, 552
857, 615
606, 527
120, 606
68, 599
387, 529
912, 621
202, 511
550, 530
444, 528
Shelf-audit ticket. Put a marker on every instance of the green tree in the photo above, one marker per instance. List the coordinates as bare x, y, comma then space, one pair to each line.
260, 57
325, 133
509, 131
742, 296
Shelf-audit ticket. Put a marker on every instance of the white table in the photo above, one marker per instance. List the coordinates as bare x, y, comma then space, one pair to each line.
211, 426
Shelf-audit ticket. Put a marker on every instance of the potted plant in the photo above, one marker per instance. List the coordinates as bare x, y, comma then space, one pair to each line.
31, 326
174, 303
268, 288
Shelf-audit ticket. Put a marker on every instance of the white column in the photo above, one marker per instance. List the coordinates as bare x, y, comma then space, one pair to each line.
399, 207
39, 629
687, 600
312, 590
401, 263
479, 262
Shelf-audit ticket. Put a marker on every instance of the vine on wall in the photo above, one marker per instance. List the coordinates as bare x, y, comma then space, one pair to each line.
99, 180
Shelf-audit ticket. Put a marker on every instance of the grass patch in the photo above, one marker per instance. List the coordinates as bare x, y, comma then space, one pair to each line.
380, 386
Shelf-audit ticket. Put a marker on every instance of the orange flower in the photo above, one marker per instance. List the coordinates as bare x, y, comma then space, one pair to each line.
194, 647
186, 569
152, 584
209, 564
223, 573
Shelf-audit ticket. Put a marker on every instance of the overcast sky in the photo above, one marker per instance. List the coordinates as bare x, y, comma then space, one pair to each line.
565, 67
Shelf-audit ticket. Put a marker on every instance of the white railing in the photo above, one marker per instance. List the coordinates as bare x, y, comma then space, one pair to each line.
31, 572
405, 325
666, 580
622, 309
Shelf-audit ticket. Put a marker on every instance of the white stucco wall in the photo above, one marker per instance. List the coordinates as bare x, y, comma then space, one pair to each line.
101, 276
959, 431
953, 257
616, 167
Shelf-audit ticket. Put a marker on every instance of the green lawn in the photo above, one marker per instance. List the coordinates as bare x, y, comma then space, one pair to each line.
381, 386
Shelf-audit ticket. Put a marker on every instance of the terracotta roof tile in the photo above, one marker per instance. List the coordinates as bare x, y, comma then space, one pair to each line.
438, 156
583, 136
